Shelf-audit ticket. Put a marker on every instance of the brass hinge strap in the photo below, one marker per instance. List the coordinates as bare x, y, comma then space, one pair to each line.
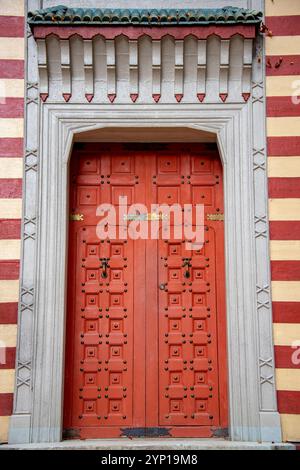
76, 217
215, 217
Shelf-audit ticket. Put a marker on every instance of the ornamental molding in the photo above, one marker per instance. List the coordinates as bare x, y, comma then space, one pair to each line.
121, 69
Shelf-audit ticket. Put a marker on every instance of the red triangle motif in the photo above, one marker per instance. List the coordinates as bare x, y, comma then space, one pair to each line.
178, 97
44, 96
201, 97
156, 97
223, 96
246, 96
134, 97
67, 96
89, 97
112, 97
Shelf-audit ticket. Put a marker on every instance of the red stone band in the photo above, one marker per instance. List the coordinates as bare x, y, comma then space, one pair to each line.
134, 32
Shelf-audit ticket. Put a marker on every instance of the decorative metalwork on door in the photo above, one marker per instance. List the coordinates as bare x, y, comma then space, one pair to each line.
146, 347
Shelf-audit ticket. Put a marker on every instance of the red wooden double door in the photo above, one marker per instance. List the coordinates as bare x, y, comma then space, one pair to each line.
146, 335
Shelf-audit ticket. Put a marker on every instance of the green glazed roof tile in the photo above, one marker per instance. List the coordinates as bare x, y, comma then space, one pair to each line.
62, 15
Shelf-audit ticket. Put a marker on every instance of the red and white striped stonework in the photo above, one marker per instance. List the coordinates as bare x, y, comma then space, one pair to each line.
11, 167
283, 128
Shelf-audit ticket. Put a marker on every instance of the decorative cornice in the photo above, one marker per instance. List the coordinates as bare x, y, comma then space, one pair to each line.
87, 85
66, 22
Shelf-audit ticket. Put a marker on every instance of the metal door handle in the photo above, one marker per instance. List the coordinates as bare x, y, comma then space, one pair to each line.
104, 265
162, 286
187, 264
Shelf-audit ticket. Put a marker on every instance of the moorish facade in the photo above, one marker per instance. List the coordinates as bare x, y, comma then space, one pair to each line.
165, 103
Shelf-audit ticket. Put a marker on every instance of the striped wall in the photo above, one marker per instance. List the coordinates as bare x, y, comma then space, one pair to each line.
11, 164
283, 128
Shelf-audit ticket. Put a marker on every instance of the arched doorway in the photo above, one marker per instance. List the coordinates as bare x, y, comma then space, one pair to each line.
146, 332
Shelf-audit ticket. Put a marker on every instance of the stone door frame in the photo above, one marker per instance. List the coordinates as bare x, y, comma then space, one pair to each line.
240, 135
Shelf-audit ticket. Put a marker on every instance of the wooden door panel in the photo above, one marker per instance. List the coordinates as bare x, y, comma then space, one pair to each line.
101, 311
188, 340
104, 374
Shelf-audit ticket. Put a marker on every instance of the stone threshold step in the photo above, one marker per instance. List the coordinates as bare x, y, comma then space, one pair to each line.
151, 444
